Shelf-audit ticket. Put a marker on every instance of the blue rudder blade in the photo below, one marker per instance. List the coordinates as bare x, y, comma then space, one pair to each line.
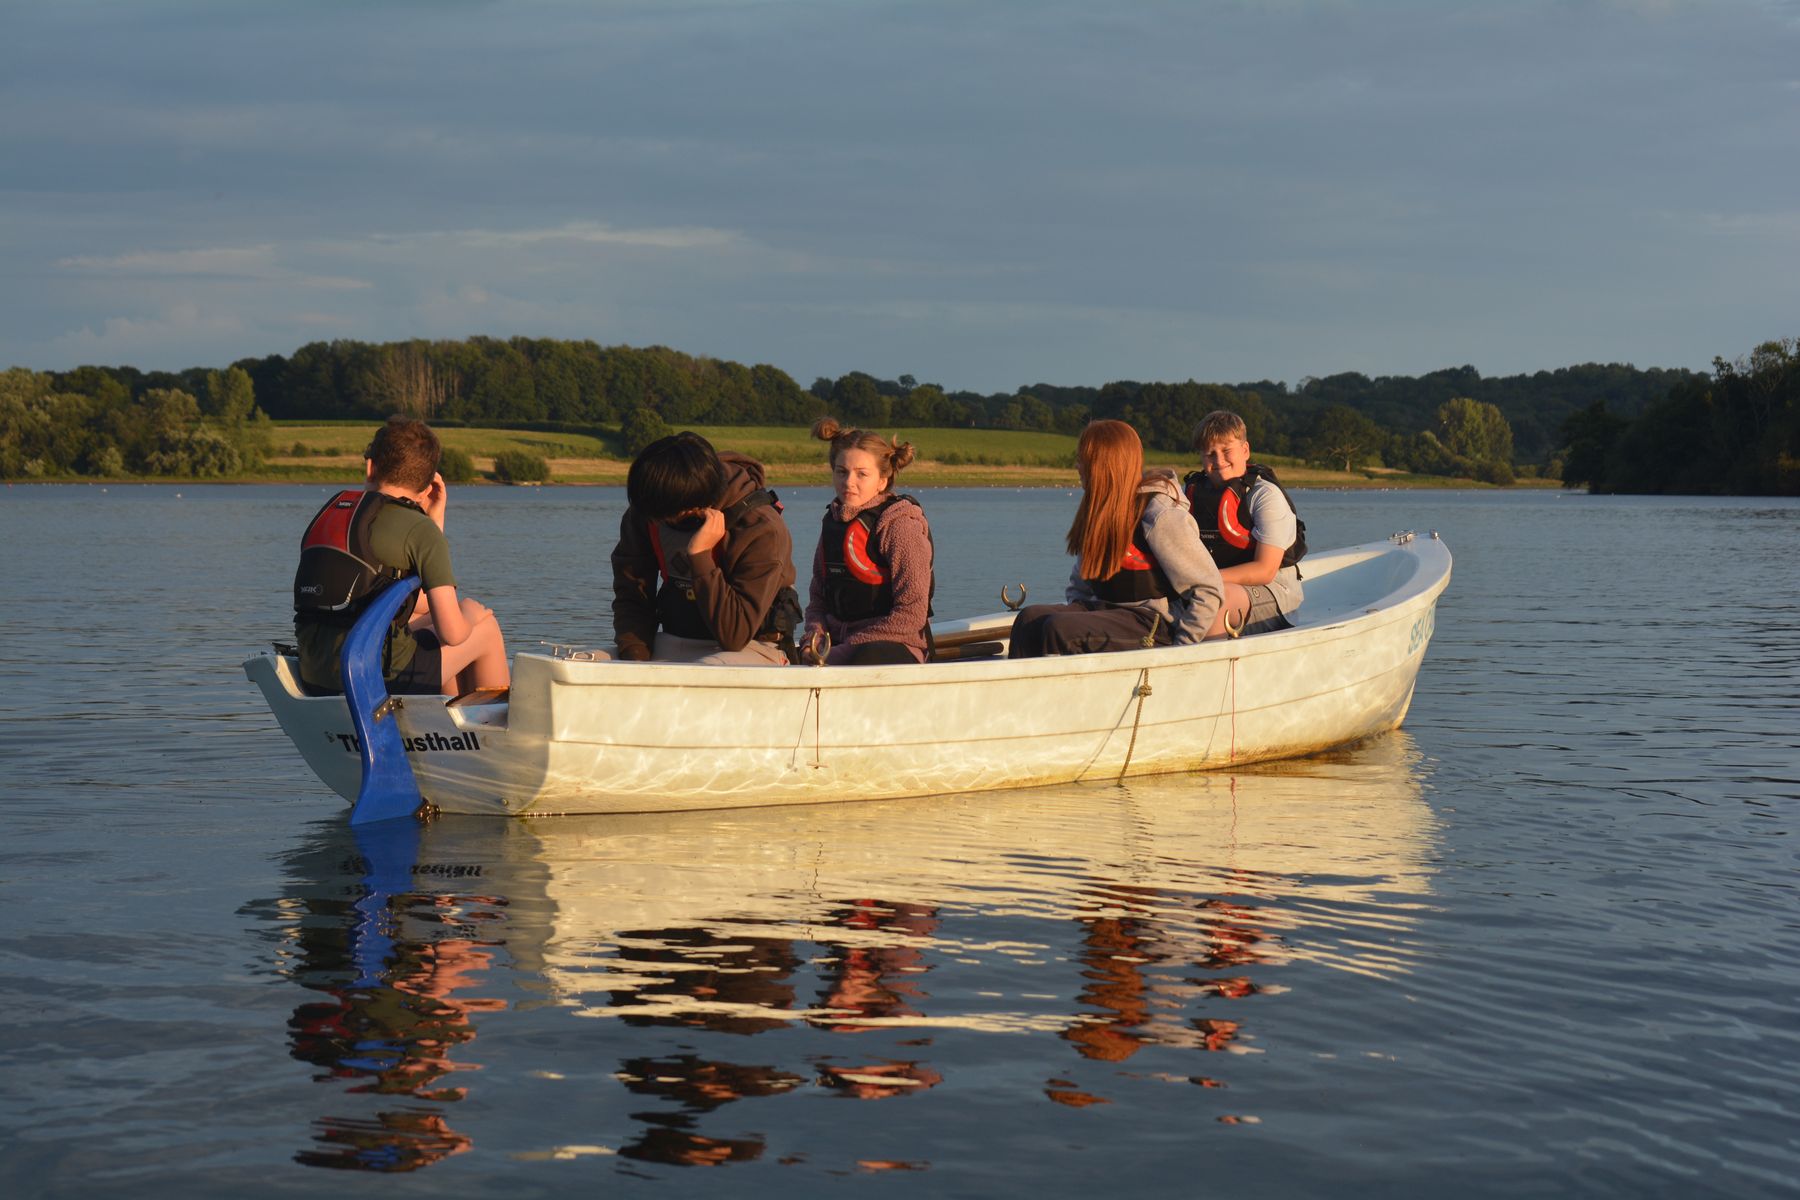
388, 789
389, 852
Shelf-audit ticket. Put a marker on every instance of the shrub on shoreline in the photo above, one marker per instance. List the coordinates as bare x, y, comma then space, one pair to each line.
520, 466
457, 467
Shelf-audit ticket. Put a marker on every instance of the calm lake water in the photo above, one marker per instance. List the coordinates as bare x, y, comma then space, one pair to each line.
1544, 941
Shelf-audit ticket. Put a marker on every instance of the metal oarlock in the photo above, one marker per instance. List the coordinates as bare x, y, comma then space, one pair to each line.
1011, 604
574, 652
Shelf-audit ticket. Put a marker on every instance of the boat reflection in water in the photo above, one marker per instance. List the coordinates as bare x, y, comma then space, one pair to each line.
397, 958
887, 945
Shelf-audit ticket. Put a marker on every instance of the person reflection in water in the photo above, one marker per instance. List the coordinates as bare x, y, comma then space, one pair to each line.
721, 982
1136, 971
879, 981
392, 1035
725, 981
699, 1087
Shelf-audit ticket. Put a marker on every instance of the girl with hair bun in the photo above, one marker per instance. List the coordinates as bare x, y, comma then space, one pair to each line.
871, 578
1142, 576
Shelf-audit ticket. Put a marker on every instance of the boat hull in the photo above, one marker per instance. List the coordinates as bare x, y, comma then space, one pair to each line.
596, 737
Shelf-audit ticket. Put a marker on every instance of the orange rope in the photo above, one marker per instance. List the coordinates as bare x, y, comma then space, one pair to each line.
1234, 663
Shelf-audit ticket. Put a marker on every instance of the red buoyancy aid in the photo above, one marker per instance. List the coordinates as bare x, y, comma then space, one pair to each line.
857, 583
1219, 510
339, 571
1138, 578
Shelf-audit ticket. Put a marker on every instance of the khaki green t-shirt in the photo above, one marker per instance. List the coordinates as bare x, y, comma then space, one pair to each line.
400, 537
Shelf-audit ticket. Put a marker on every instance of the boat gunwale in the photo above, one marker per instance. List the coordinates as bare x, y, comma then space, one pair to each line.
1398, 603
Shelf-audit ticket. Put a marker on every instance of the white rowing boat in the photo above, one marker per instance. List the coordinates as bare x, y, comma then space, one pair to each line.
618, 737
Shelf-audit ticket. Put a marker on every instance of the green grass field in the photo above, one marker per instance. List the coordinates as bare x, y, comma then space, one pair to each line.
304, 451
331, 451
350, 437
773, 444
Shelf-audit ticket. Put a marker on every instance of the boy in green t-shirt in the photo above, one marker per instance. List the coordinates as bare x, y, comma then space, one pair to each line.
448, 646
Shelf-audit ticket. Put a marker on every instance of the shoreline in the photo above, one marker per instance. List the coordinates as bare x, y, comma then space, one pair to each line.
609, 473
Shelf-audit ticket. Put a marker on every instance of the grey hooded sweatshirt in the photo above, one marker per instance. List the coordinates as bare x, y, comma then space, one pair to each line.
1174, 541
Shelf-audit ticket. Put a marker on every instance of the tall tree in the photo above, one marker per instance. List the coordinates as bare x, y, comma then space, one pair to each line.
409, 382
1474, 429
1343, 435
1590, 436
228, 396
855, 398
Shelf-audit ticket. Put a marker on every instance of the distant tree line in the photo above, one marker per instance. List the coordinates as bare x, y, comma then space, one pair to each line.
1395, 420
91, 422
488, 381
204, 422
1737, 433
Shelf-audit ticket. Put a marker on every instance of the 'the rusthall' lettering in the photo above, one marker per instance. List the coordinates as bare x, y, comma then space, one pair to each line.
431, 741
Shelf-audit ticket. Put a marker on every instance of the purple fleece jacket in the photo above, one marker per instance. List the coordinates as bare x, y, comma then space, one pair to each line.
903, 541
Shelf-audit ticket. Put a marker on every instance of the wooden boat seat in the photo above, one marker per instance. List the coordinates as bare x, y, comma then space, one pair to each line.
487, 695
968, 651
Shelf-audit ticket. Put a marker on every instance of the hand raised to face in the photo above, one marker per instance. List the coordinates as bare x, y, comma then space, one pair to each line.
710, 533
437, 498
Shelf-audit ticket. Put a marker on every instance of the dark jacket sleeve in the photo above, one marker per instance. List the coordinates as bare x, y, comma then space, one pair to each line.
815, 591
735, 597
634, 589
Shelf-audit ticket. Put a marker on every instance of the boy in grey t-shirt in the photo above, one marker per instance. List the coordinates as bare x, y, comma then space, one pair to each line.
1250, 527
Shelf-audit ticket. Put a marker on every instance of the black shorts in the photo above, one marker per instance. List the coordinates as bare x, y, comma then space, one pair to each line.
424, 676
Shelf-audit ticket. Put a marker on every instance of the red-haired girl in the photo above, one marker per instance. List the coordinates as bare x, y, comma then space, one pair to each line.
1141, 575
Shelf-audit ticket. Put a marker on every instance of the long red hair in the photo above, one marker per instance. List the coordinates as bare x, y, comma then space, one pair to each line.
1111, 459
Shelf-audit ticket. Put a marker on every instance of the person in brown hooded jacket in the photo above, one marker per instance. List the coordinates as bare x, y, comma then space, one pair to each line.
704, 569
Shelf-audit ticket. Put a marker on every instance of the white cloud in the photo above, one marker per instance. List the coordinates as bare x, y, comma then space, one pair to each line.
1762, 225
180, 323
459, 309
254, 261
579, 232
333, 283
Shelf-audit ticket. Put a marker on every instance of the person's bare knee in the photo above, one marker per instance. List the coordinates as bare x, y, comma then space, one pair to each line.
1233, 612
479, 661
489, 668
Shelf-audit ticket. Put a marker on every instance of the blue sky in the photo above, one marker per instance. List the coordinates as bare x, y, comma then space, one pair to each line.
982, 195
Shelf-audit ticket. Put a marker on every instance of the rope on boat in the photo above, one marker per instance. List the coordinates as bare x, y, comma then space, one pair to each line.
1233, 679
1141, 691
813, 701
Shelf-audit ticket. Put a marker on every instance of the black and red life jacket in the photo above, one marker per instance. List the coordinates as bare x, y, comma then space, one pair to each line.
1221, 511
1139, 577
339, 572
857, 580
677, 609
